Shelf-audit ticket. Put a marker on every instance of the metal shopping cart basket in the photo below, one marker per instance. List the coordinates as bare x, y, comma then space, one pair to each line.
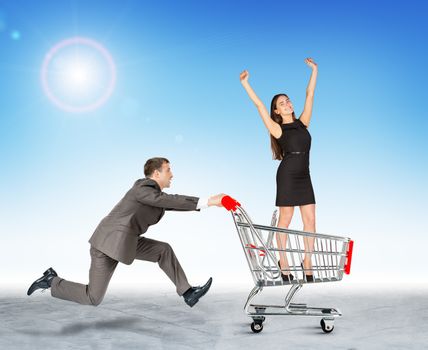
330, 259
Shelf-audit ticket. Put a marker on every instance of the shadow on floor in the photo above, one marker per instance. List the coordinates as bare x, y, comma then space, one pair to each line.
121, 323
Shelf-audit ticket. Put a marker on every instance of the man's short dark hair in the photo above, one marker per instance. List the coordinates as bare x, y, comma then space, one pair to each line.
154, 164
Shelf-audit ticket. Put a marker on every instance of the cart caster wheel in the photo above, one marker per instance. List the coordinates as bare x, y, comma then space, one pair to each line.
327, 325
257, 326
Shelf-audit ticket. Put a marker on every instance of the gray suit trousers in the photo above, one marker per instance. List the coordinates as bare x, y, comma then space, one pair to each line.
102, 269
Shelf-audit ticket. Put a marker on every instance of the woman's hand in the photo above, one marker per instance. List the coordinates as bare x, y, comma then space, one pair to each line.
311, 63
243, 77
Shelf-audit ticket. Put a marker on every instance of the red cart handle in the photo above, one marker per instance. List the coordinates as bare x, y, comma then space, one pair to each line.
229, 203
349, 257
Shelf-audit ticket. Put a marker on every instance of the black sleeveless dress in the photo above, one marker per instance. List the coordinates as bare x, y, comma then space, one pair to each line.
293, 181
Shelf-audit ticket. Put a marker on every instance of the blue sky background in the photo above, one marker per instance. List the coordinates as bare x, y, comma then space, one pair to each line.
178, 95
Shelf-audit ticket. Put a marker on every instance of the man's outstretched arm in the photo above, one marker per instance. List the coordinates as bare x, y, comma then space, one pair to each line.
150, 196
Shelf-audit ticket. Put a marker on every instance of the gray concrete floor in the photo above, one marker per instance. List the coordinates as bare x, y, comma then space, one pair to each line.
374, 317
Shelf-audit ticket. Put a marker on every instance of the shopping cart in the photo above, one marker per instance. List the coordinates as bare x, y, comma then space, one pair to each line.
330, 258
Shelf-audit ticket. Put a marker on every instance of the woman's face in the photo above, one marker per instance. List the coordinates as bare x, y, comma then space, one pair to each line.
284, 106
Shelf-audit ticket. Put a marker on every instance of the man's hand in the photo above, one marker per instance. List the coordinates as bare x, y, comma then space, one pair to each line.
216, 200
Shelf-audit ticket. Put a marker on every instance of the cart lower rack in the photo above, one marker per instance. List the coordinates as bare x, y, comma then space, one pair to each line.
330, 257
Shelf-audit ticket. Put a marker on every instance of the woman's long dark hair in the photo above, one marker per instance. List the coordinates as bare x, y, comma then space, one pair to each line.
277, 151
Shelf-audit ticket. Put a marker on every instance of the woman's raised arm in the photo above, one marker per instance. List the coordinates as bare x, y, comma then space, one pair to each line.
272, 126
305, 117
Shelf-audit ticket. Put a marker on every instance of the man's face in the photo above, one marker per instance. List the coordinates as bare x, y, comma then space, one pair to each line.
164, 176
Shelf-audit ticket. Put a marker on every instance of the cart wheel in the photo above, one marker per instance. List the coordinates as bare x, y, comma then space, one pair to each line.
327, 325
257, 326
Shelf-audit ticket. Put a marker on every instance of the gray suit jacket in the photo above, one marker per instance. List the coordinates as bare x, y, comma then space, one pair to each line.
143, 205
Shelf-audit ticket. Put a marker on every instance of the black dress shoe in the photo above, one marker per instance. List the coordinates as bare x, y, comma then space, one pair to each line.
43, 282
193, 294
285, 278
309, 278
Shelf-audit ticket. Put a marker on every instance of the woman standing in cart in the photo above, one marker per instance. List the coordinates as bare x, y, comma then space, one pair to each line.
291, 143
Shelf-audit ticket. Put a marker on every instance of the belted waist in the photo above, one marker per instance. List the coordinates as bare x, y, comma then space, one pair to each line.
302, 153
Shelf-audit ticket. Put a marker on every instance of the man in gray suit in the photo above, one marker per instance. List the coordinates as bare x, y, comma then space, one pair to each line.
117, 239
